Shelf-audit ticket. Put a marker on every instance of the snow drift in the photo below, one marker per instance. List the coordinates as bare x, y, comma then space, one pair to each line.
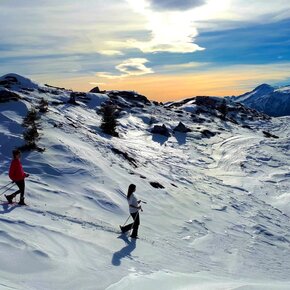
219, 220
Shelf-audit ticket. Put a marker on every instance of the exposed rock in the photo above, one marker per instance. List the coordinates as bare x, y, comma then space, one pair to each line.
247, 127
181, 128
197, 119
156, 185
206, 101
8, 81
153, 120
161, 130
55, 92
42, 91
129, 96
57, 103
207, 133
269, 135
75, 95
6, 96
95, 90
179, 111
54, 87
72, 100
125, 155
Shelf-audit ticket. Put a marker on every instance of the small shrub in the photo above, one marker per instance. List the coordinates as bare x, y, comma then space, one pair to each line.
31, 135
30, 118
43, 105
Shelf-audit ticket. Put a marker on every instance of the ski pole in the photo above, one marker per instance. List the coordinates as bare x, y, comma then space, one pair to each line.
7, 189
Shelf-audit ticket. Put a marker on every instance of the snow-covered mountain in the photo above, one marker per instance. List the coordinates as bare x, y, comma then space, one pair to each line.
216, 187
267, 99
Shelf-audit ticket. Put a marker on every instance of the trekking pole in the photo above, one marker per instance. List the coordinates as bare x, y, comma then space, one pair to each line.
126, 220
6, 185
7, 189
136, 218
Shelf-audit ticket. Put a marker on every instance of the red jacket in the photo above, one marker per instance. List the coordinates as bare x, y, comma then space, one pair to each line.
16, 172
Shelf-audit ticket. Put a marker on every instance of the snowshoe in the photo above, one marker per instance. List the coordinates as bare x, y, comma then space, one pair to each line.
9, 198
21, 202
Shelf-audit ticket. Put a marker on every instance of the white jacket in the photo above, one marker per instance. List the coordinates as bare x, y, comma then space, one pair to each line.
133, 203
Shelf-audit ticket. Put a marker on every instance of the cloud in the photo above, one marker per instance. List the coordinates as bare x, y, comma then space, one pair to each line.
110, 52
221, 81
105, 75
96, 84
155, 45
183, 67
65, 27
134, 66
229, 14
129, 67
175, 4
172, 31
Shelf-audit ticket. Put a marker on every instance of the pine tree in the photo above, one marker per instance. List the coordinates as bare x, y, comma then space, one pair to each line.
109, 120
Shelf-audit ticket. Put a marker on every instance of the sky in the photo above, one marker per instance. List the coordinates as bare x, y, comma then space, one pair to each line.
165, 50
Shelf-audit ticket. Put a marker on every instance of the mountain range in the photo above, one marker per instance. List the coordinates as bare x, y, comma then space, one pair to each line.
267, 99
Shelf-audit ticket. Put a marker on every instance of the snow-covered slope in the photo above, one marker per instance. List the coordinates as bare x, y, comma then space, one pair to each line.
269, 100
220, 222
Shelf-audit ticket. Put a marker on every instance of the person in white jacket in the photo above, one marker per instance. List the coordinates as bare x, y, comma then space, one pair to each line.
134, 208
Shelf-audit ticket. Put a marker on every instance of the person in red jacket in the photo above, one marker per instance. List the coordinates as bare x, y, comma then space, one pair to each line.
17, 174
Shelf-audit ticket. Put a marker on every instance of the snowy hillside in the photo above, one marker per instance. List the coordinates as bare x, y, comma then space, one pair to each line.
269, 100
217, 212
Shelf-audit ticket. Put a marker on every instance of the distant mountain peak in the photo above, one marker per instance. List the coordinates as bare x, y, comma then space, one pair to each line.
264, 87
267, 99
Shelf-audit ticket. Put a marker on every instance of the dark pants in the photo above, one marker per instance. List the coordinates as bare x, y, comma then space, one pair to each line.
21, 186
134, 225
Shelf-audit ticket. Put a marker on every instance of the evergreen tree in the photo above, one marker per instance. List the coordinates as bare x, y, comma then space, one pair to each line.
109, 120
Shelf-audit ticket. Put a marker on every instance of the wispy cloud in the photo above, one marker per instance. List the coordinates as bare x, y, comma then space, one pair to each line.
129, 67
134, 66
110, 52
182, 67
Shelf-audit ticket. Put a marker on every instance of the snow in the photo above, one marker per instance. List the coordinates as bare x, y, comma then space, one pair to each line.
284, 89
22, 82
200, 281
221, 222
272, 101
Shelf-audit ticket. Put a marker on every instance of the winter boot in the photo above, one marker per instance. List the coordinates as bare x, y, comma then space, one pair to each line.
21, 202
9, 198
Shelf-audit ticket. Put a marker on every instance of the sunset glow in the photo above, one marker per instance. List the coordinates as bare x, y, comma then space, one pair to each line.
162, 49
